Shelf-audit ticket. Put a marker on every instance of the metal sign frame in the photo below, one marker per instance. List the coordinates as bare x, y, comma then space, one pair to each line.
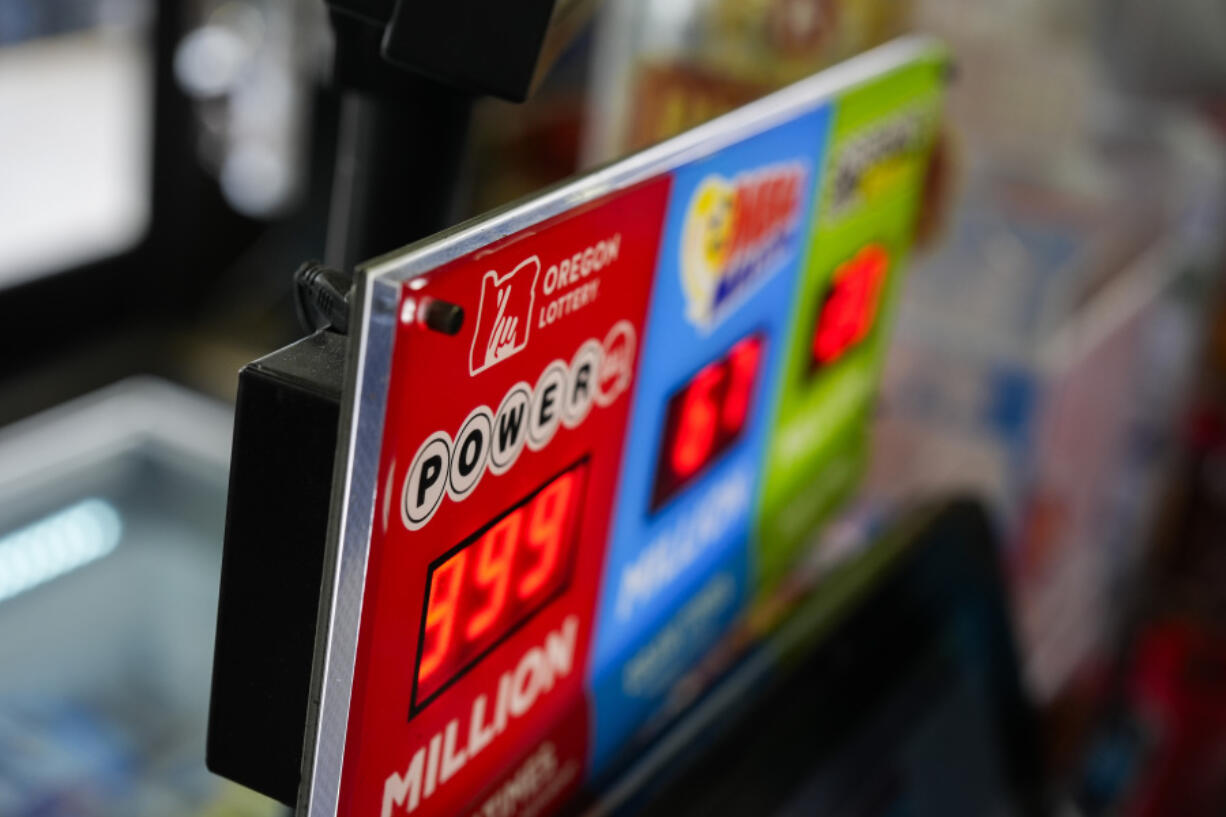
368, 370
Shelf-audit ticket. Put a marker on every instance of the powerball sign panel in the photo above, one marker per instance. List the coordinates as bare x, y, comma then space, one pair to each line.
550, 507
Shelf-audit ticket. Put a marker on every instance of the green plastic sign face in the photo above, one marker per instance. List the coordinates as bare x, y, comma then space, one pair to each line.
864, 218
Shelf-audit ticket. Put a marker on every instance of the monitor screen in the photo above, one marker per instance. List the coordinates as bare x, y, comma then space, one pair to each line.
76, 83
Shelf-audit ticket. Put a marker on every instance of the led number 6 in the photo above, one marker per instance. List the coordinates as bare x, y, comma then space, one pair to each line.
699, 415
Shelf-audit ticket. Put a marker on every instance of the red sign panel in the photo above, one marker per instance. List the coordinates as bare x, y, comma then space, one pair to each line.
478, 607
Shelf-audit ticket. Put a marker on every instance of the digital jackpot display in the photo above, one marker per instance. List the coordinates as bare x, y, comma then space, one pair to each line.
478, 593
706, 416
549, 516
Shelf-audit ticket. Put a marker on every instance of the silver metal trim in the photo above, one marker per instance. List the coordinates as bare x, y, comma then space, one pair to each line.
369, 368
349, 524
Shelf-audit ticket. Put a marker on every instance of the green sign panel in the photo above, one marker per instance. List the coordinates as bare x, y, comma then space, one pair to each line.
870, 190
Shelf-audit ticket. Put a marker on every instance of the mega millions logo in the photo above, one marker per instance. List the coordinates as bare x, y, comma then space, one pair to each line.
738, 232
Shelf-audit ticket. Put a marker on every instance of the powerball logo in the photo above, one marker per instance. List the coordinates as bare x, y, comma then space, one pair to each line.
504, 315
737, 233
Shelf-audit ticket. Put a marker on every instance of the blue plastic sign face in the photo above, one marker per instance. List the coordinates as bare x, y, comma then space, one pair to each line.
678, 569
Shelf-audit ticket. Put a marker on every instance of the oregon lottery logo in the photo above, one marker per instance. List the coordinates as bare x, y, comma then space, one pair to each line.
598, 373
504, 315
737, 233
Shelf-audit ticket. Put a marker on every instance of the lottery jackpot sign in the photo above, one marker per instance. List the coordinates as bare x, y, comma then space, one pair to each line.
544, 519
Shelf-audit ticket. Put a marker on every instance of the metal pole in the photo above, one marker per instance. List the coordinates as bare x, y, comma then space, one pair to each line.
398, 170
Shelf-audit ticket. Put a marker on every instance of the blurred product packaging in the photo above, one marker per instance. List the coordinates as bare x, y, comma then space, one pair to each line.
1046, 350
664, 67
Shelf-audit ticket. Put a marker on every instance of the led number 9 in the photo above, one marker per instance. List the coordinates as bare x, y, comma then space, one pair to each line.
494, 572
441, 613
545, 529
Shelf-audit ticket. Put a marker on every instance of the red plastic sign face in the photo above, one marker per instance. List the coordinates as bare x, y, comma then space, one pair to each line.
500, 457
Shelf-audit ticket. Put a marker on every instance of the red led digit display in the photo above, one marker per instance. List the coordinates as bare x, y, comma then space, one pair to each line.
706, 416
849, 305
481, 590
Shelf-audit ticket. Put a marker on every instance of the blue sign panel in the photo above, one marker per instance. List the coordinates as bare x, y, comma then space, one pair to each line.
677, 569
